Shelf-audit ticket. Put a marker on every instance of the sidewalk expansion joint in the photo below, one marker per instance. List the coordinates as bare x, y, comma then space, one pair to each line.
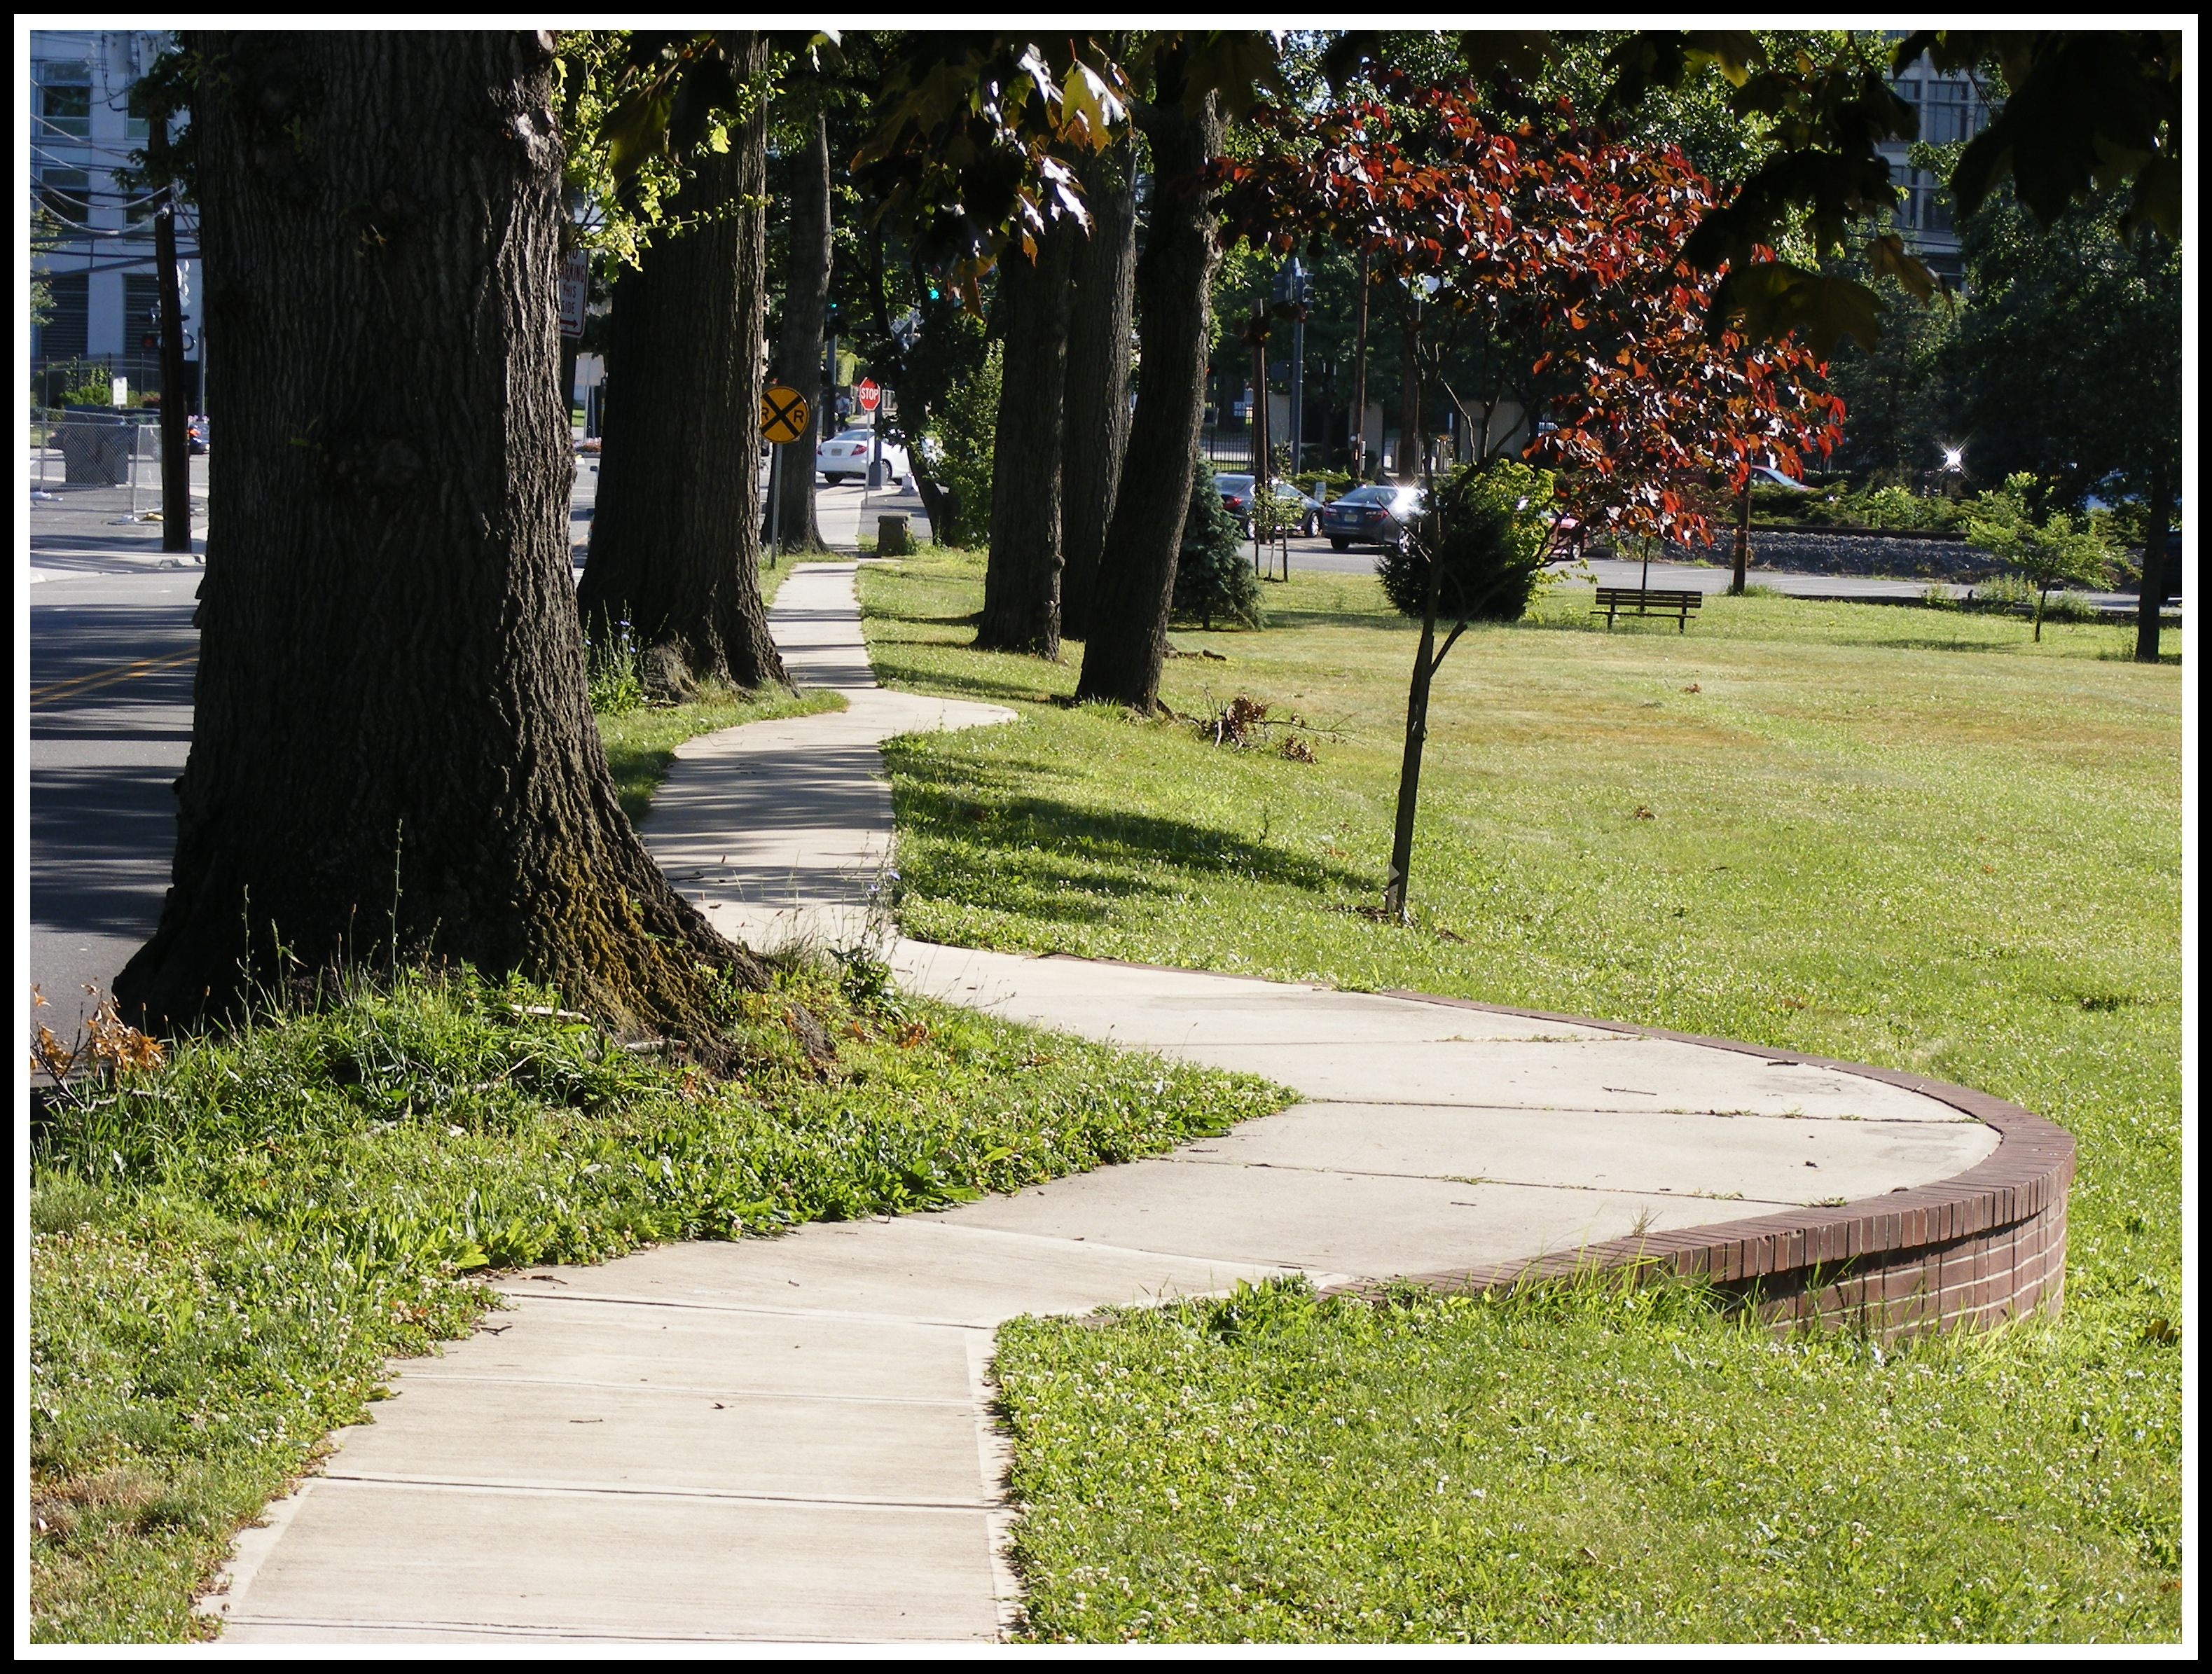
529, 1630
1485, 1180
609, 1490
755, 1309
689, 1391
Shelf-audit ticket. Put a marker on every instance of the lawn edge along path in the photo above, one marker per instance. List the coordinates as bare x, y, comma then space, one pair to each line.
792, 1439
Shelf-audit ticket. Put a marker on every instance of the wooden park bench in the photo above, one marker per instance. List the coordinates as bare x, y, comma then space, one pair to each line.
1648, 602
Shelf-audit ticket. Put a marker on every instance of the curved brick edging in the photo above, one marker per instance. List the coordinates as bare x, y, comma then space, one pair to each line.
1978, 1249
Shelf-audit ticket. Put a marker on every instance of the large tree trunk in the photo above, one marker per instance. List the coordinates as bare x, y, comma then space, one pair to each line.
675, 545
798, 348
1021, 583
1097, 402
1135, 587
392, 751
2150, 593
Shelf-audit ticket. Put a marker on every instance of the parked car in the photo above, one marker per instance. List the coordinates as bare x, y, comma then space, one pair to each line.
1372, 514
1766, 476
848, 452
1297, 510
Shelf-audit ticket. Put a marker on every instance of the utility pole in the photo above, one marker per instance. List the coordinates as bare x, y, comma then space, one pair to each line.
176, 446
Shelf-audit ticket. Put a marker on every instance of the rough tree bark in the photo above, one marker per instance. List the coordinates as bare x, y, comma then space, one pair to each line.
1021, 582
1135, 587
1096, 437
799, 345
392, 750
675, 544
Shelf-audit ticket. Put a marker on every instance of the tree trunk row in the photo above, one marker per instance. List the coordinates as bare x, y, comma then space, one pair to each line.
1101, 317
394, 753
675, 547
798, 347
1021, 583
1135, 586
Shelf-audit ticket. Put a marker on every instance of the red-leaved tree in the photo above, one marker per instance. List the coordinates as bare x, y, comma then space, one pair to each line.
1566, 243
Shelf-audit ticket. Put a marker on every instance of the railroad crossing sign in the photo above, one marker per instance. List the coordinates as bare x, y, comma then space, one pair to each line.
869, 394
783, 414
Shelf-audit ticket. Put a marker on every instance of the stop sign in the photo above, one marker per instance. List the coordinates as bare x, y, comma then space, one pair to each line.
869, 394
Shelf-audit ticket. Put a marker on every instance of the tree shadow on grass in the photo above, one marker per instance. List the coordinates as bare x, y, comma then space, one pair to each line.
966, 681
1929, 644
1000, 817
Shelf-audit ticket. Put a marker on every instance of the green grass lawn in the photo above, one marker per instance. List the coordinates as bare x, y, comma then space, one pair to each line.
1903, 836
641, 742
225, 1251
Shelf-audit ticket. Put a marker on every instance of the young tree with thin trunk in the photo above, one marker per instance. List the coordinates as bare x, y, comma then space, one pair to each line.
1102, 312
799, 345
392, 749
675, 549
1135, 588
1565, 238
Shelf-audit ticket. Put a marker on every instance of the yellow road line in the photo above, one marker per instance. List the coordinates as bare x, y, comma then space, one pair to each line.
61, 690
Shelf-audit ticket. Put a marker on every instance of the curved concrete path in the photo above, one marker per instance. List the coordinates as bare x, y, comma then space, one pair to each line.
789, 1439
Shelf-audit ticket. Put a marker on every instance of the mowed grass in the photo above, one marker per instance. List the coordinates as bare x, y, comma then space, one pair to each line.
226, 1250
1906, 837
640, 744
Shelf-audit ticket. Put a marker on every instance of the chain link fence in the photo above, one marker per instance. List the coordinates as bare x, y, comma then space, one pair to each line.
97, 467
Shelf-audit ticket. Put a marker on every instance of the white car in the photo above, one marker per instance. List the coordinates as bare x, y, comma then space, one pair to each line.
847, 453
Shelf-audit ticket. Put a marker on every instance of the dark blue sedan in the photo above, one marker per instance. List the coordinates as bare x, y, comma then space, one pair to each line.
1373, 514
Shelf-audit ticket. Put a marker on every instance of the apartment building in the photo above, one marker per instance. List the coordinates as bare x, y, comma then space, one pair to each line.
97, 261
1951, 108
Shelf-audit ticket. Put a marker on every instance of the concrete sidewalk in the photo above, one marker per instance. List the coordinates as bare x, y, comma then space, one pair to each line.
790, 1439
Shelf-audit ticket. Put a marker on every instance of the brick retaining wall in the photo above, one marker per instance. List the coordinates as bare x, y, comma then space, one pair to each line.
1975, 1250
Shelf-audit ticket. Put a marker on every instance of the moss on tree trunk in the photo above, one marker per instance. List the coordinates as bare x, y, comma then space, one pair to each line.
392, 750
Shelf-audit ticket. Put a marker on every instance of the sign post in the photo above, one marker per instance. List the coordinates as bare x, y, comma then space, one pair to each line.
575, 273
870, 394
783, 416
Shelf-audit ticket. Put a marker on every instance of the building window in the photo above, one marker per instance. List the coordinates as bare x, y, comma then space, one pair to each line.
1950, 111
65, 100
1923, 206
67, 195
63, 336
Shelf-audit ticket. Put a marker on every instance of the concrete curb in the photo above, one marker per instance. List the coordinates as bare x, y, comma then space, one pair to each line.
1985, 1247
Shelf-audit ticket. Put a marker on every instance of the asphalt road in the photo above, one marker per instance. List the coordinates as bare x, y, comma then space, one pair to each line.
112, 655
